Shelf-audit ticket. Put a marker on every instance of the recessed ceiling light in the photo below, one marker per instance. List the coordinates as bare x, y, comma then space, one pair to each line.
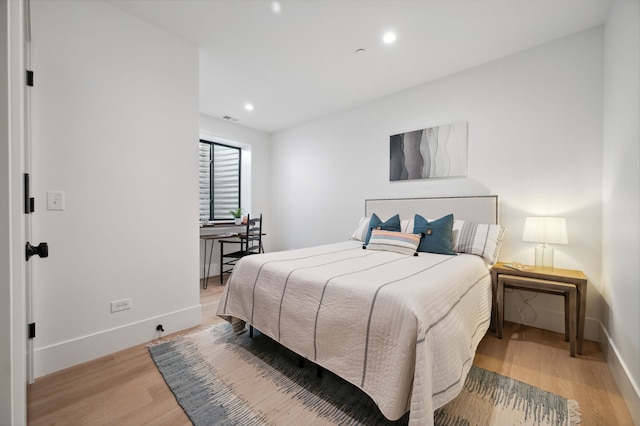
276, 7
248, 107
389, 38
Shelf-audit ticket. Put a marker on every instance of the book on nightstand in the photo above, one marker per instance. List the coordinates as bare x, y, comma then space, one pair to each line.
517, 266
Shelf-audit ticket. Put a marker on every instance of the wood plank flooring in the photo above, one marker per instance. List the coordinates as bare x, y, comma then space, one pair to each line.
125, 388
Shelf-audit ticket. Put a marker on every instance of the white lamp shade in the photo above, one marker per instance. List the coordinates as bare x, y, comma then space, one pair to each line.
552, 230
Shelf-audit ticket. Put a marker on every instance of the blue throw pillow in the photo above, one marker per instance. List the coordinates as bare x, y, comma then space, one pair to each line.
391, 224
437, 236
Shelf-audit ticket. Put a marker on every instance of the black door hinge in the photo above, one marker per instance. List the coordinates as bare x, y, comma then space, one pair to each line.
32, 330
30, 78
29, 202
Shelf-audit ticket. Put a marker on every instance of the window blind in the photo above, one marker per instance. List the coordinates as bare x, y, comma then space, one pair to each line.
219, 180
205, 181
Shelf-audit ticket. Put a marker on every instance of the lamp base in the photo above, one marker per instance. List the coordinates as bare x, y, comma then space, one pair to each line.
544, 256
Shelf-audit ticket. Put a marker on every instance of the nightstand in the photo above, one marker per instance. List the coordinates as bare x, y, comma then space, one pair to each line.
566, 282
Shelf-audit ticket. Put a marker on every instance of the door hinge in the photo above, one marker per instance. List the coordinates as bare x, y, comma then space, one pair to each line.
30, 78
32, 330
29, 201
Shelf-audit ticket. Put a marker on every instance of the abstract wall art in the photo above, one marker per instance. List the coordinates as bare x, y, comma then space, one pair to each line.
431, 153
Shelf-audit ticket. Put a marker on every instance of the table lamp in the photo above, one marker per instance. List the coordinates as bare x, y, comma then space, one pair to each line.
545, 230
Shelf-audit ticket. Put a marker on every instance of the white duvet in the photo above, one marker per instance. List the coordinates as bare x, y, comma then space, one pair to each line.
404, 329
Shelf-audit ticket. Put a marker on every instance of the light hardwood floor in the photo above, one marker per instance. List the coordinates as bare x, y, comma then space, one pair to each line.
125, 388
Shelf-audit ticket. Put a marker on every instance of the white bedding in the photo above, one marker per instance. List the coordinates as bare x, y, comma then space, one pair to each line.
402, 328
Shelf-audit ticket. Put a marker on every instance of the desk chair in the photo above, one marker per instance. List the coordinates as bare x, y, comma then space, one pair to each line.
249, 242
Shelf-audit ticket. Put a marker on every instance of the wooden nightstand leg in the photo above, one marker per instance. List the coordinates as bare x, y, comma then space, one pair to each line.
572, 321
567, 311
582, 306
494, 301
500, 307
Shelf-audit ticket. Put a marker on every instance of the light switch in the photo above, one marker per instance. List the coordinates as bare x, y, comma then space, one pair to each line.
55, 200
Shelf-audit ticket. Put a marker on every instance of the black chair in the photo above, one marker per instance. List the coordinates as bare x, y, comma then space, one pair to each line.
250, 242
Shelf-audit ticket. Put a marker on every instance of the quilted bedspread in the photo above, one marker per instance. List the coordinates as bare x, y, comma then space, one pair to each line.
404, 329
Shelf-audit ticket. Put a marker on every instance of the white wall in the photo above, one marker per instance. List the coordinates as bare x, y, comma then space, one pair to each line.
255, 152
620, 313
115, 120
535, 139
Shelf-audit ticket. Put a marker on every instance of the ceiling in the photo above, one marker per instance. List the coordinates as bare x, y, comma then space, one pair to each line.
301, 63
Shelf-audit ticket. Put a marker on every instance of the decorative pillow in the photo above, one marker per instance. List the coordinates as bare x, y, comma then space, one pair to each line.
437, 236
391, 224
396, 242
361, 230
480, 239
406, 226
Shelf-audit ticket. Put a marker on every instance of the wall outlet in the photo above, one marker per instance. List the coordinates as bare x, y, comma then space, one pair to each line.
120, 305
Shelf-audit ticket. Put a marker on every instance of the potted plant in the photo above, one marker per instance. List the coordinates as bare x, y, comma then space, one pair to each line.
237, 214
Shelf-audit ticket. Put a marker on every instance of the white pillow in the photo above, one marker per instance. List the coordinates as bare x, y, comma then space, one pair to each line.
397, 242
361, 230
480, 239
406, 226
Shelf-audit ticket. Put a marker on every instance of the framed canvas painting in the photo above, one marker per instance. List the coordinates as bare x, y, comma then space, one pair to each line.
431, 153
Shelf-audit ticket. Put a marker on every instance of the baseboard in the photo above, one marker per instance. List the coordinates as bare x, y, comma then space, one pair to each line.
546, 319
628, 388
66, 354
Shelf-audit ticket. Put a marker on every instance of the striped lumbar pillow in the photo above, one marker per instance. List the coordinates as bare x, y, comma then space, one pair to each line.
396, 242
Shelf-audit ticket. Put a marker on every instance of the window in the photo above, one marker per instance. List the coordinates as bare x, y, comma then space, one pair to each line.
219, 180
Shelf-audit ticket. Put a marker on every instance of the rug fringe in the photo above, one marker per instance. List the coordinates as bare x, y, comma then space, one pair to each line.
575, 413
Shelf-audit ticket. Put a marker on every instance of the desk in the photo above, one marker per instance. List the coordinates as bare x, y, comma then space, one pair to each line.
212, 237
546, 280
213, 225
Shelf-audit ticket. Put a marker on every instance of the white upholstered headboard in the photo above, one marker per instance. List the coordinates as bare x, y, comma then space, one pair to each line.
477, 209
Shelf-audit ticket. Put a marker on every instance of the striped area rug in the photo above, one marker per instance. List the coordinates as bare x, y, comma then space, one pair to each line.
221, 378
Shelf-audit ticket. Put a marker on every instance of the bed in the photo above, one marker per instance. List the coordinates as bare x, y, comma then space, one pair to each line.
403, 328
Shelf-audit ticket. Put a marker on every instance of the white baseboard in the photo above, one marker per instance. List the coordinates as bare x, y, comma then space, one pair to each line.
628, 388
546, 319
86, 348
